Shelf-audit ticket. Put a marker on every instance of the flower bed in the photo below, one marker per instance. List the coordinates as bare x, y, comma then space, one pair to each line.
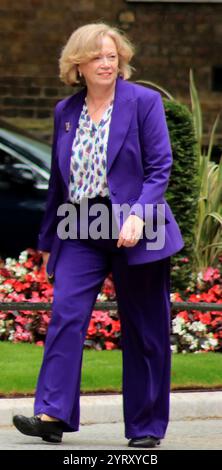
195, 331
24, 280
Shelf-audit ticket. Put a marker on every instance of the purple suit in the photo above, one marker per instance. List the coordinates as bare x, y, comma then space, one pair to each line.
138, 168
139, 160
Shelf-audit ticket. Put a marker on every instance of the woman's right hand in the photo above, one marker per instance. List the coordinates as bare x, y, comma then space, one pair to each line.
45, 257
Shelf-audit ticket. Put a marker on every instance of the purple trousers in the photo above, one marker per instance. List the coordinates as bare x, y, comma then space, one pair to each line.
143, 296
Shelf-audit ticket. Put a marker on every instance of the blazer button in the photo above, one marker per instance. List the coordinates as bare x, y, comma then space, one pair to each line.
113, 192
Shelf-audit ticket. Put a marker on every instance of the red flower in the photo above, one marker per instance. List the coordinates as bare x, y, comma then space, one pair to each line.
108, 288
208, 297
205, 318
109, 345
177, 297
216, 289
184, 315
4, 272
9, 281
28, 264
194, 298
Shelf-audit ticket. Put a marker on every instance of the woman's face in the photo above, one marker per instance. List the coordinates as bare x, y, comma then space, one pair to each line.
102, 70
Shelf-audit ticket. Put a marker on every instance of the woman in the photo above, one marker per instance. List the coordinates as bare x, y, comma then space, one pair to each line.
111, 146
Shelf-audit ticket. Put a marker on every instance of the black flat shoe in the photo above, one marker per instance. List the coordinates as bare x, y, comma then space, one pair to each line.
147, 441
50, 431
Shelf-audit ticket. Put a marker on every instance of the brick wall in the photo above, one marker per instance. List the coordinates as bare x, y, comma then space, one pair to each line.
170, 39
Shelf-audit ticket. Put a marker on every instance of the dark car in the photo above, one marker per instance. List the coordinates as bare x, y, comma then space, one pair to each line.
24, 175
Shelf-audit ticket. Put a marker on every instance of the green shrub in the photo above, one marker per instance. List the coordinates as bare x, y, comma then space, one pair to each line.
183, 189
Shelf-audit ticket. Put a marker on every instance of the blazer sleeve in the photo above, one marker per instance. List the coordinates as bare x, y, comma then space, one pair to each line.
156, 153
54, 194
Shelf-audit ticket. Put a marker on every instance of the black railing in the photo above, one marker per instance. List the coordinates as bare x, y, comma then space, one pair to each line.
110, 305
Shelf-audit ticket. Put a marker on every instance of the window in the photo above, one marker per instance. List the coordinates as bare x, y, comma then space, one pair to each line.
17, 169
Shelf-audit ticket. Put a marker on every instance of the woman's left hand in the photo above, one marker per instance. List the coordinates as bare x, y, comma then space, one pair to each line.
131, 231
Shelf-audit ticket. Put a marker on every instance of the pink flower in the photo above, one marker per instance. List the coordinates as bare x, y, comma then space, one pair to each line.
21, 320
46, 318
210, 274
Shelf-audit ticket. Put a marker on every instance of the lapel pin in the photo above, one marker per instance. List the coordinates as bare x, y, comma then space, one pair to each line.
67, 126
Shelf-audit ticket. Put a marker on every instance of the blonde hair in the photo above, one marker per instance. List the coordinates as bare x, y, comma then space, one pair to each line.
84, 44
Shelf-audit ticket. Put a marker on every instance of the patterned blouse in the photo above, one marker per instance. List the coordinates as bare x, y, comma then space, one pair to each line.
88, 159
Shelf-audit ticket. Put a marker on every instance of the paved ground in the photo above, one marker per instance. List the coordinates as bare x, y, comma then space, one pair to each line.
98, 409
182, 435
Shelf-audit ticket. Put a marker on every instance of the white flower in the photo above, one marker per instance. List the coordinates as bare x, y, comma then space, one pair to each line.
200, 276
11, 335
172, 296
10, 262
213, 342
198, 326
204, 345
101, 297
6, 288
174, 348
178, 325
23, 256
20, 271
194, 336
194, 344
188, 338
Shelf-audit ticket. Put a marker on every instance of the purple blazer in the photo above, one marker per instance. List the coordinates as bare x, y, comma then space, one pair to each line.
139, 160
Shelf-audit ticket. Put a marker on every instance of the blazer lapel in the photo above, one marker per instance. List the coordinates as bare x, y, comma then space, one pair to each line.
68, 125
120, 120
